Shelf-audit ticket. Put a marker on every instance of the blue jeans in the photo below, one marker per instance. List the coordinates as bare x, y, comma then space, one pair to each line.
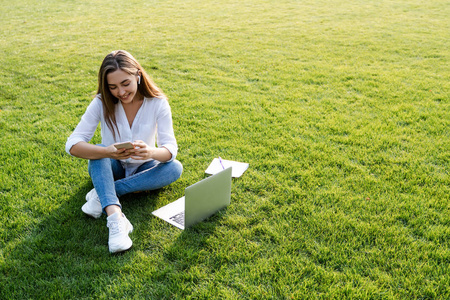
108, 177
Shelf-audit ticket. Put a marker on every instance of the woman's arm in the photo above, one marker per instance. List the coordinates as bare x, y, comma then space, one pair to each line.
86, 127
89, 151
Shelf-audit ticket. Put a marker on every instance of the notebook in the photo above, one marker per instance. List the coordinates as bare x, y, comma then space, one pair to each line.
200, 201
219, 164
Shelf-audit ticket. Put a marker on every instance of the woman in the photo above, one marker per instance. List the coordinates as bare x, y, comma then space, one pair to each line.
129, 107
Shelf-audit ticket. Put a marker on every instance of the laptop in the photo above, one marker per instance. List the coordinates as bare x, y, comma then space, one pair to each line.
200, 201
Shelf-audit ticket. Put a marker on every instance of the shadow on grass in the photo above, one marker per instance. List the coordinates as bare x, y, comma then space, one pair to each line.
66, 254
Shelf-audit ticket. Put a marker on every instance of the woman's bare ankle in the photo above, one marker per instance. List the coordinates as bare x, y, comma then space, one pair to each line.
112, 209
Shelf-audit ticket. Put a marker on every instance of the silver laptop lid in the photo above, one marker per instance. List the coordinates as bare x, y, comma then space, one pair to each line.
206, 197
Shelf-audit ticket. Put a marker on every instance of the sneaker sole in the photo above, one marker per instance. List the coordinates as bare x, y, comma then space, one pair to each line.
122, 250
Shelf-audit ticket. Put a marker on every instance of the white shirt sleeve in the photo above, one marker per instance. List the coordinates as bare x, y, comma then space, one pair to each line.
165, 133
85, 130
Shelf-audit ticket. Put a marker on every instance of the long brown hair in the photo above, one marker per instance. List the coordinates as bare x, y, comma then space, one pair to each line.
121, 59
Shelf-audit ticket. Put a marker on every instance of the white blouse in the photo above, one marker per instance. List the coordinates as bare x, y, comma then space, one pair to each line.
152, 124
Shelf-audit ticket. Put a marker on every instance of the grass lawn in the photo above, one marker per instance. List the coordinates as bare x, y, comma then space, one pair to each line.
340, 107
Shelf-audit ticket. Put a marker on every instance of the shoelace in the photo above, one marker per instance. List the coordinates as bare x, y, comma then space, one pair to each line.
115, 226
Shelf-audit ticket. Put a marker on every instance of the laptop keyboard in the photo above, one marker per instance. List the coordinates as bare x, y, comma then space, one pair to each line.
178, 218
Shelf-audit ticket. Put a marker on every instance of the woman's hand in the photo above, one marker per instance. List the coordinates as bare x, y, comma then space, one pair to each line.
142, 151
118, 154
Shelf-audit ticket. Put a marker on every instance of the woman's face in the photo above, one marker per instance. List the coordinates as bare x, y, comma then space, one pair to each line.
123, 86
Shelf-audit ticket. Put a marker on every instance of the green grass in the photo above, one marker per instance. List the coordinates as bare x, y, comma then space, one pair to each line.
340, 107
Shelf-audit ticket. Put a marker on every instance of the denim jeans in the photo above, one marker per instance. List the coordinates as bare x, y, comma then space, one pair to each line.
108, 177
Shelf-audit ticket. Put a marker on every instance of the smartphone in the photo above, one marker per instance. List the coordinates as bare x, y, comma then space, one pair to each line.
127, 145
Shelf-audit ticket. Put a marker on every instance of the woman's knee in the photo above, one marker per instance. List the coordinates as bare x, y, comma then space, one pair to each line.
173, 170
177, 168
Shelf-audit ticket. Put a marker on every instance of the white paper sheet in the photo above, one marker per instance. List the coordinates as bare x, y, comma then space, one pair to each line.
238, 168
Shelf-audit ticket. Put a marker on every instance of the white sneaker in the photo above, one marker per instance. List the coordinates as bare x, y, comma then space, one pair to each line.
92, 207
119, 228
